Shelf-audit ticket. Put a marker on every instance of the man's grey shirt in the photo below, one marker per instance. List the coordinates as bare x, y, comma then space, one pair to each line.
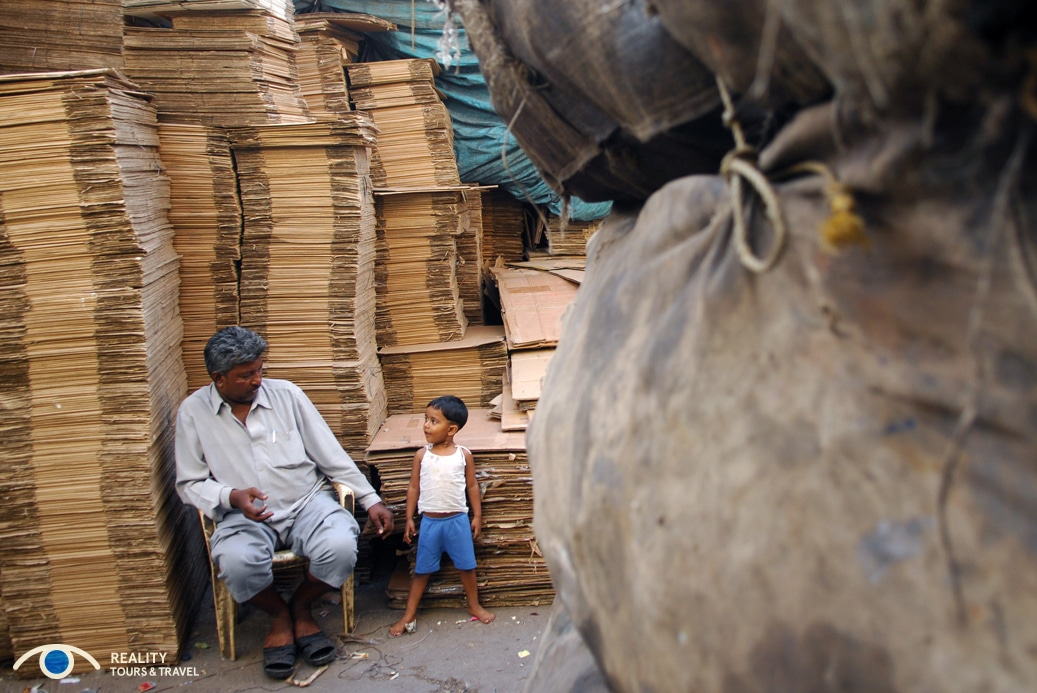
286, 451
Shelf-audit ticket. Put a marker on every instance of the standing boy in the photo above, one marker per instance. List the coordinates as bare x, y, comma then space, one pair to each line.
440, 475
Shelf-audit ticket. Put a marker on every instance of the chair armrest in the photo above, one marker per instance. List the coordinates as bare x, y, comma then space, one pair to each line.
207, 526
345, 497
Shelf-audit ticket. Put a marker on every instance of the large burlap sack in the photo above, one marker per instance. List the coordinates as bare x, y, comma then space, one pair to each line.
748, 45
880, 55
818, 478
613, 100
563, 663
601, 98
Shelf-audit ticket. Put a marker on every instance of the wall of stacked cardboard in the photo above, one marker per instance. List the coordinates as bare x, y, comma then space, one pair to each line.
187, 165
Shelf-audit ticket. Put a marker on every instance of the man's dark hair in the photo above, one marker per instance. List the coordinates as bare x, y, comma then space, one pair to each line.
232, 346
453, 409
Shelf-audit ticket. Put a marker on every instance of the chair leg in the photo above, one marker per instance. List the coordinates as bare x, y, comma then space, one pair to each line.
348, 614
226, 616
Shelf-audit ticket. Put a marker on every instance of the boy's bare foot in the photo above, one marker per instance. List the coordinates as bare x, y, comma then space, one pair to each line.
481, 613
402, 626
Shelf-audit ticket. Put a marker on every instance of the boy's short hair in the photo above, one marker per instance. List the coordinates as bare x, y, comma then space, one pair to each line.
453, 409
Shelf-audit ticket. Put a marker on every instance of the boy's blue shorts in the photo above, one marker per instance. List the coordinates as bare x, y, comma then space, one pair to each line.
452, 535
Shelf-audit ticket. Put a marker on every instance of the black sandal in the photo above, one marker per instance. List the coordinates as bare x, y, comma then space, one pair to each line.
317, 648
279, 662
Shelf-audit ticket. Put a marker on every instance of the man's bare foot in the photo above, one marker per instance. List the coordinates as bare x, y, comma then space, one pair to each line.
280, 632
302, 620
481, 613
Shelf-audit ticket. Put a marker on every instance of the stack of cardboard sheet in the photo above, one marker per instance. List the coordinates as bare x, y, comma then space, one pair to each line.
330, 42
418, 297
569, 238
390, 83
206, 215
355, 23
525, 378
153, 9
45, 35
415, 139
511, 570
259, 22
471, 369
97, 548
469, 260
503, 225
532, 304
568, 267
526, 375
225, 68
307, 265
325, 51
6, 648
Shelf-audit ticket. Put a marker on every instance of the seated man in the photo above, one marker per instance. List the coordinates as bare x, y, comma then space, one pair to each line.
256, 457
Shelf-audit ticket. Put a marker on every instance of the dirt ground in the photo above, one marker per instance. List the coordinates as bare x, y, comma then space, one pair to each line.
447, 654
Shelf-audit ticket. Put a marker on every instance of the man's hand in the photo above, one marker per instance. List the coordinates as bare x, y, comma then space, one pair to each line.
381, 518
245, 501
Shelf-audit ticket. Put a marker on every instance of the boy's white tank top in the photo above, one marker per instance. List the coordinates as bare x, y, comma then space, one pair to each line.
442, 482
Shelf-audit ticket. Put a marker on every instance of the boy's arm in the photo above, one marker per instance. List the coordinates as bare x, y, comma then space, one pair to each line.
413, 492
474, 496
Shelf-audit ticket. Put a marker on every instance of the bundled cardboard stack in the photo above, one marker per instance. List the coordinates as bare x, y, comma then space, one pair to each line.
307, 266
46, 35
330, 42
503, 224
525, 377
273, 23
423, 209
415, 139
150, 8
216, 66
568, 267
569, 238
469, 260
418, 296
391, 83
471, 368
206, 215
98, 550
325, 51
6, 648
532, 304
511, 571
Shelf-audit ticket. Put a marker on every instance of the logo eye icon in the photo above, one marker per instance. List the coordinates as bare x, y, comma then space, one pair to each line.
57, 660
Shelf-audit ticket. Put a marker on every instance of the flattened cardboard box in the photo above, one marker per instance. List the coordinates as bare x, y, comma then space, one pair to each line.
527, 375
532, 303
480, 434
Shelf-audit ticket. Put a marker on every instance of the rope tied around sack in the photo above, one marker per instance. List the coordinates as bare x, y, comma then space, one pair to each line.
843, 227
739, 164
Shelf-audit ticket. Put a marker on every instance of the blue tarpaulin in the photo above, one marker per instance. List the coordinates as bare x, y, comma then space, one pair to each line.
486, 152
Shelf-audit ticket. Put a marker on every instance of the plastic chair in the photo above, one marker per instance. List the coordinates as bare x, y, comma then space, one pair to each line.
227, 608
